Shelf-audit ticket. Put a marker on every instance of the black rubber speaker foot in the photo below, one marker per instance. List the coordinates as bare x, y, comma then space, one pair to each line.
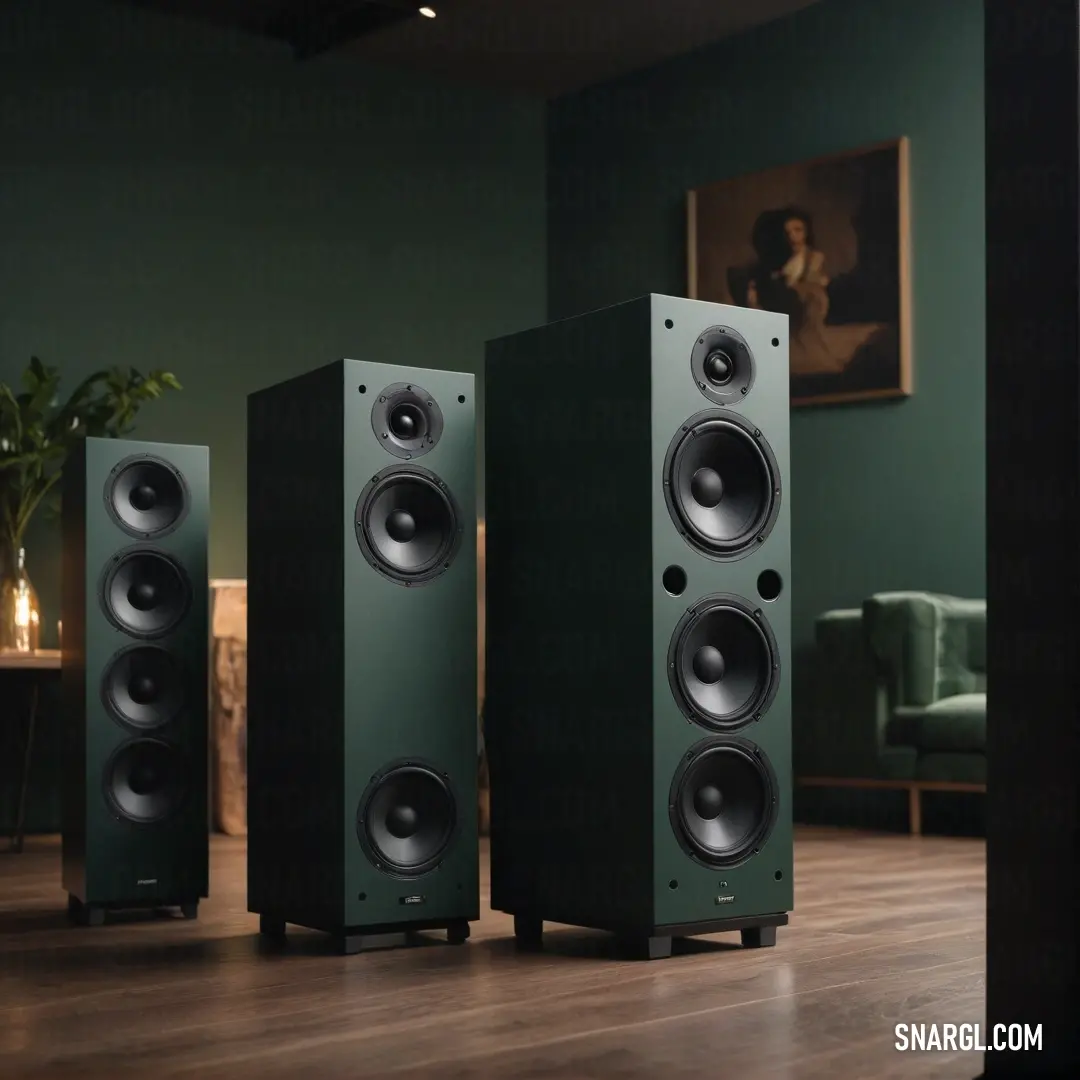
647, 948
528, 932
190, 910
457, 933
758, 937
83, 914
272, 927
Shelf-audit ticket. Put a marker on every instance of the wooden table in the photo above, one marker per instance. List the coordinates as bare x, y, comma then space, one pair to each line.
38, 660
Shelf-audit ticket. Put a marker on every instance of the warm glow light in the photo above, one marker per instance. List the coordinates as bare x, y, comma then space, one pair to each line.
428, 13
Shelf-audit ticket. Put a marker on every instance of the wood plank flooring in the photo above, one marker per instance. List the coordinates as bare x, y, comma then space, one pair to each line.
887, 929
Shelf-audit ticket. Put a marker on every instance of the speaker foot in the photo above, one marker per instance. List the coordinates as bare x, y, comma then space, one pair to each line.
528, 932
457, 933
758, 937
190, 910
272, 927
648, 948
351, 944
83, 914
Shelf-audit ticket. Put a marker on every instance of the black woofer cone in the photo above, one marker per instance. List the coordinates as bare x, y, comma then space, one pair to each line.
145, 593
407, 420
407, 819
407, 524
722, 485
143, 687
146, 496
723, 801
144, 781
723, 662
722, 365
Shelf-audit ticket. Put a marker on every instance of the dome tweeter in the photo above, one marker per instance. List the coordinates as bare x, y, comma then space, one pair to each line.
722, 365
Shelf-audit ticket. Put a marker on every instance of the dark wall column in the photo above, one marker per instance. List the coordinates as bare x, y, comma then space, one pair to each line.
1033, 529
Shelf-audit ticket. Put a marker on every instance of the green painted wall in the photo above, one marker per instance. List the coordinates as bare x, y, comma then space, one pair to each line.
885, 496
176, 196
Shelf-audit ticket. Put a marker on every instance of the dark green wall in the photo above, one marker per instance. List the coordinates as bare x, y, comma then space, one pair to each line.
883, 497
176, 196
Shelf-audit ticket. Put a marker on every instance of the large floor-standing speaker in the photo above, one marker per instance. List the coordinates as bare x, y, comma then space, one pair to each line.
638, 632
362, 767
134, 676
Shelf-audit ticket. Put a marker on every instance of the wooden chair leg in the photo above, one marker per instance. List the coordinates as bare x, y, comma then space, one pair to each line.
915, 810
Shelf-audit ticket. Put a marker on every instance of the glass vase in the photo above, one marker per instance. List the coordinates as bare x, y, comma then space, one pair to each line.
20, 611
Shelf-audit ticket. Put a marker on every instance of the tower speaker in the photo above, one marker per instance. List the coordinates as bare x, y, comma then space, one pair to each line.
638, 623
134, 677
362, 765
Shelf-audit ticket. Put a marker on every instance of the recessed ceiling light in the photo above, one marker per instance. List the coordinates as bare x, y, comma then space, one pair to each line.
428, 13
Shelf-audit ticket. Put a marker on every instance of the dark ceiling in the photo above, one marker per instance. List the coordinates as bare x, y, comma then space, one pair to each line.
546, 47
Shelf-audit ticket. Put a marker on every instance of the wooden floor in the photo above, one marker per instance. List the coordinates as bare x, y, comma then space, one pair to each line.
887, 930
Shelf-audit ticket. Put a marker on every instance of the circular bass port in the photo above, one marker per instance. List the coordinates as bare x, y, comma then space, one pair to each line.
722, 365
723, 663
407, 819
407, 420
723, 801
408, 525
721, 485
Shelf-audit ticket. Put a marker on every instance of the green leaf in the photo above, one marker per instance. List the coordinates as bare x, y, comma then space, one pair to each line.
37, 435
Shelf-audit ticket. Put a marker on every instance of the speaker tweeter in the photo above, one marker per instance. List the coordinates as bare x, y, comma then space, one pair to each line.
722, 365
407, 420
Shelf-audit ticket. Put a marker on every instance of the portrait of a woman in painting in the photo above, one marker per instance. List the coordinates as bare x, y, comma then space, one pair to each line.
824, 243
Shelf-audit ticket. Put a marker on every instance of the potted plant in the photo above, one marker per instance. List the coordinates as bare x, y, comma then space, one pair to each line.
36, 435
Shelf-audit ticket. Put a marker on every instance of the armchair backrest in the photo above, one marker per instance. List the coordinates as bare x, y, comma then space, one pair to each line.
926, 645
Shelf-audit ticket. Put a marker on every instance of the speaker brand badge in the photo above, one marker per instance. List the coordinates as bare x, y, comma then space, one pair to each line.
407, 900
729, 899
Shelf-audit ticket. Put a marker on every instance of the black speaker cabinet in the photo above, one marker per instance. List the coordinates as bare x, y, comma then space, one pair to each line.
638, 554
362, 756
134, 676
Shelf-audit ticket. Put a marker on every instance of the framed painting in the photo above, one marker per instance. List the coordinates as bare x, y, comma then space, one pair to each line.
825, 242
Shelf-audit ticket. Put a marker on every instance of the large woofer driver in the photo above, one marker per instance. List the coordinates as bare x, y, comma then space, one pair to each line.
723, 663
143, 687
407, 420
722, 365
722, 485
144, 781
146, 496
723, 802
407, 524
407, 819
145, 593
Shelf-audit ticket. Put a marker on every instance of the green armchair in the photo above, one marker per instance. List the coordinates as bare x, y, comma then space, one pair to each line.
897, 696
